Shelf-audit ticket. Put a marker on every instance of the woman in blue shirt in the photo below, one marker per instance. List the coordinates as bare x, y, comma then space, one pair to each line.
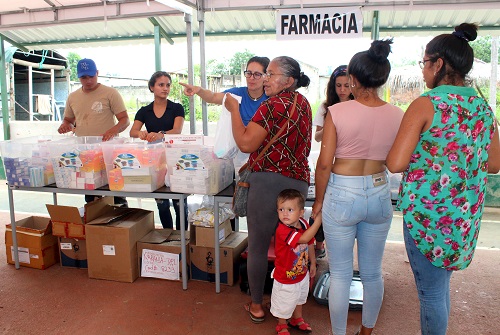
251, 95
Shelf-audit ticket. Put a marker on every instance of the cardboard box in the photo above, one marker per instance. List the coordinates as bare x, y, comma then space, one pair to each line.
69, 222
73, 253
37, 247
163, 241
112, 243
203, 262
205, 236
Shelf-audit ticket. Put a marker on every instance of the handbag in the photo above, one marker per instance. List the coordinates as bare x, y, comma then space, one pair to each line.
240, 196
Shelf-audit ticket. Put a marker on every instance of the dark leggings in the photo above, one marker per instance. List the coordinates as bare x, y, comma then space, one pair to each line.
262, 220
320, 235
166, 217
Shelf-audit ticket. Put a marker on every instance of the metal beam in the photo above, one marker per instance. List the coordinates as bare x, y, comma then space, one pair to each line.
17, 45
90, 12
163, 32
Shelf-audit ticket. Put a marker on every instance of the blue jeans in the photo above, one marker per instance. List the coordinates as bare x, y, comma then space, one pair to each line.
433, 287
355, 209
166, 217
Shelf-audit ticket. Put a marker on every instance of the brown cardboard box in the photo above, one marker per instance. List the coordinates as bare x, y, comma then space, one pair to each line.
112, 243
37, 247
164, 240
203, 262
69, 222
73, 252
204, 236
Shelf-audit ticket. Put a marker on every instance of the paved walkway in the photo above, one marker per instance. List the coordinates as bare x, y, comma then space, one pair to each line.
64, 300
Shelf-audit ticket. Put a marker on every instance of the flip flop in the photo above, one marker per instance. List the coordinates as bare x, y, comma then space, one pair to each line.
253, 317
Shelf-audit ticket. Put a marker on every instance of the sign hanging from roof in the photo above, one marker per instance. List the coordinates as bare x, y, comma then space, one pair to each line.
319, 23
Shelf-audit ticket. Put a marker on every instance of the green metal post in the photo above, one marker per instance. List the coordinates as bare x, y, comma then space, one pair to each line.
3, 84
375, 26
157, 48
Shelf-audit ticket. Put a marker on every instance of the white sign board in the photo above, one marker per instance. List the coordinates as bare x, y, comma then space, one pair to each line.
319, 23
159, 264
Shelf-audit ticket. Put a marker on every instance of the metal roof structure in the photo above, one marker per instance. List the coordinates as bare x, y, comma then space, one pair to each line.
58, 24
47, 24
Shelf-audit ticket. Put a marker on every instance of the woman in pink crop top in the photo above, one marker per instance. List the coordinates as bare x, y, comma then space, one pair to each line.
353, 194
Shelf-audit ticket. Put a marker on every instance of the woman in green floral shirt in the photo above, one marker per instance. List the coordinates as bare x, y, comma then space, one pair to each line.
447, 144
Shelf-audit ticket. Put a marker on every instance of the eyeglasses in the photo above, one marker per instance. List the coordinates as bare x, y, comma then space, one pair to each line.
255, 75
421, 63
269, 75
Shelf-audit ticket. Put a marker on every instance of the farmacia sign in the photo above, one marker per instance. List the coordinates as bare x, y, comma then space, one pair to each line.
318, 23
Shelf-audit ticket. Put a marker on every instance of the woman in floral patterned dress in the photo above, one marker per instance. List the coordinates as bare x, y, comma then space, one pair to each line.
446, 145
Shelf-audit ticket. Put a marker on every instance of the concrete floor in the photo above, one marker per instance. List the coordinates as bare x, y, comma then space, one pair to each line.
64, 300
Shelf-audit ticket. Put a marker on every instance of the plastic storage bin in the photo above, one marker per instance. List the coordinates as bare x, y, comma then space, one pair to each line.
196, 169
78, 162
27, 161
135, 165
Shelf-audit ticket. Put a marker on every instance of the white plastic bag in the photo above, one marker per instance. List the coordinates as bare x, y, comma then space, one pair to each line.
225, 146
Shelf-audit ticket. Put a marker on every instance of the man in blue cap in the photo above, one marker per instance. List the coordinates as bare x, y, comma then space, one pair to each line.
94, 109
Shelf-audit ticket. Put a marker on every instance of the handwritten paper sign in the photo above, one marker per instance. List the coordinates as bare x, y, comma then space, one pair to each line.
159, 264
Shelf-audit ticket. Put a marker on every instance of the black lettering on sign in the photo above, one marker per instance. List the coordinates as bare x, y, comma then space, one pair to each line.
313, 24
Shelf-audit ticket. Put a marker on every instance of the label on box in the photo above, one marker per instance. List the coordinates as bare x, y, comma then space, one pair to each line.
108, 250
66, 246
159, 264
23, 253
137, 179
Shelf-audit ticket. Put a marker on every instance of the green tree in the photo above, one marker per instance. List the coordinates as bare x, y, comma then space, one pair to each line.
73, 59
482, 48
216, 67
239, 59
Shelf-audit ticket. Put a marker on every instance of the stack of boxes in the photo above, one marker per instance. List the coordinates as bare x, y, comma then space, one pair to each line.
194, 167
135, 166
27, 161
78, 162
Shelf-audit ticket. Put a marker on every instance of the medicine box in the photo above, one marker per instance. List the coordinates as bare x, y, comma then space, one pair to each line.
27, 161
135, 166
196, 169
78, 162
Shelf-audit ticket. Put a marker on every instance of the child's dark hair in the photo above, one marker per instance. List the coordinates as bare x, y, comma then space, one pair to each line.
292, 194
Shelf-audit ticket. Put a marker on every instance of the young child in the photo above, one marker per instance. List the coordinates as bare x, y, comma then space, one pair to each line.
294, 248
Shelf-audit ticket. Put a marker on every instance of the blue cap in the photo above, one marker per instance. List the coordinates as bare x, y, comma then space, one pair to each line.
86, 67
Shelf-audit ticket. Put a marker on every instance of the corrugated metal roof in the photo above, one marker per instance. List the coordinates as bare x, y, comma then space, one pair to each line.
69, 23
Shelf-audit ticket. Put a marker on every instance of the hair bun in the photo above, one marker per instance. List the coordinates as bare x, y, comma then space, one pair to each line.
379, 50
467, 31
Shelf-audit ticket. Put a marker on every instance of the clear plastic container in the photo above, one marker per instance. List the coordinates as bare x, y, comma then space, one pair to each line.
135, 165
78, 162
27, 160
